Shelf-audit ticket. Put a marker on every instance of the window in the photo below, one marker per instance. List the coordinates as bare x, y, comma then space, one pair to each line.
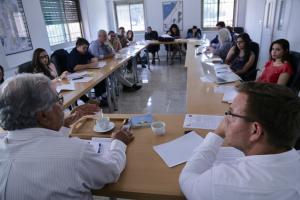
62, 18
130, 15
217, 10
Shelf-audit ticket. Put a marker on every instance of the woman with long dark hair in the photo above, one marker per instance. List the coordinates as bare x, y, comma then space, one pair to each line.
278, 69
240, 57
175, 33
41, 64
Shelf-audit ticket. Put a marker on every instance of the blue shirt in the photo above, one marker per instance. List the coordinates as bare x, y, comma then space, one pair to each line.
100, 50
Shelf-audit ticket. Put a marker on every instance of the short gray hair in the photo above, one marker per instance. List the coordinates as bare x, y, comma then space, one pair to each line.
101, 31
21, 97
224, 35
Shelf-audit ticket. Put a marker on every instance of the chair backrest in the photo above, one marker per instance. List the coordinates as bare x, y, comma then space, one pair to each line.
294, 82
60, 60
25, 68
251, 75
238, 30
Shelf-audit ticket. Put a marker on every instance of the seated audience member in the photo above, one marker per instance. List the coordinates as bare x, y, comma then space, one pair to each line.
101, 49
224, 46
122, 37
277, 69
1, 74
81, 59
214, 42
232, 33
270, 167
194, 32
37, 160
153, 48
41, 64
240, 57
130, 36
114, 41
174, 32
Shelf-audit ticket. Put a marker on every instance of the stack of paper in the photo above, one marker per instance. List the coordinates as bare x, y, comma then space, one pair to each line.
179, 150
210, 122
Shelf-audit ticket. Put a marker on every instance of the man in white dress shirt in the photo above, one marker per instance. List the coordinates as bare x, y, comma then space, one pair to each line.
36, 160
264, 123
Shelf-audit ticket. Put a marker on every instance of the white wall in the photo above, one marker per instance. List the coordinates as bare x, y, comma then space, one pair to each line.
254, 18
293, 31
94, 17
37, 31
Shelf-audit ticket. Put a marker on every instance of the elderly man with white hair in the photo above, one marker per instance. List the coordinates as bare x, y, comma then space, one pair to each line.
36, 160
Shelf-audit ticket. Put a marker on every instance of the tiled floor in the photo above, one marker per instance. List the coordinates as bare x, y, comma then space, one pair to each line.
163, 91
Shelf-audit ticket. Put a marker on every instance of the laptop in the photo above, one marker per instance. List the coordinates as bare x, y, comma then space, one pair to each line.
220, 74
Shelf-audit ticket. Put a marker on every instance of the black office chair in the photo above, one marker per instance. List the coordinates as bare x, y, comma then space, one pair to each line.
294, 82
25, 68
238, 30
251, 74
60, 59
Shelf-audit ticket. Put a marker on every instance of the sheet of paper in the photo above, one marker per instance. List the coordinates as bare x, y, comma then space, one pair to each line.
221, 89
62, 87
104, 146
179, 150
205, 79
78, 75
209, 122
229, 96
82, 80
101, 64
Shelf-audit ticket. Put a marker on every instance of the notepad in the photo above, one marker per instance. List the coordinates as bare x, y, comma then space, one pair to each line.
210, 122
179, 150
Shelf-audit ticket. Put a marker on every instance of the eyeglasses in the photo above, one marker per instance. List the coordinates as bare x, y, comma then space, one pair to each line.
44, 56
239, 42
230, 114
59, 99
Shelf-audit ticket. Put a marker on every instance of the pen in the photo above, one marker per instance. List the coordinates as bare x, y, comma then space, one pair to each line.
99, 148
77, 78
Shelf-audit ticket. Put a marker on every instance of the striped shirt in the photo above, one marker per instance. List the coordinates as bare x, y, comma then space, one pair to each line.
40, 163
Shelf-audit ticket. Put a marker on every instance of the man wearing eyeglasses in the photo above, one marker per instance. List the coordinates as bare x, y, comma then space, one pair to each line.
36, 160
264, 123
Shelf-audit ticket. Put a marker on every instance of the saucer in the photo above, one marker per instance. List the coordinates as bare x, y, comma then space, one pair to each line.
100, 130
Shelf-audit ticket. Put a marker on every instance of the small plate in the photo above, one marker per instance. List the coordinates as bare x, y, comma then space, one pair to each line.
100, 130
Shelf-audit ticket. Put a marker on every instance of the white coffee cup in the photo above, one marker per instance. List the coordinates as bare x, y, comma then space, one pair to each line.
103, 123
158, 127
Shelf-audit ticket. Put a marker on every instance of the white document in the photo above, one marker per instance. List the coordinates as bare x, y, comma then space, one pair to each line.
206, 79
229, 96
166, 36
78, 75
222, 89
101, 145
82, 80
210, 122
179, 150
62, 87
101, 64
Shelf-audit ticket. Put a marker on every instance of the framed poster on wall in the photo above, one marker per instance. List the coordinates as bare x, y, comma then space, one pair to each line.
14, 34
172, 14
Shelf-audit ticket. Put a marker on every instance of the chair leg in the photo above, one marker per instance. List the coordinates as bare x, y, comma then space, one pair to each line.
158, 57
